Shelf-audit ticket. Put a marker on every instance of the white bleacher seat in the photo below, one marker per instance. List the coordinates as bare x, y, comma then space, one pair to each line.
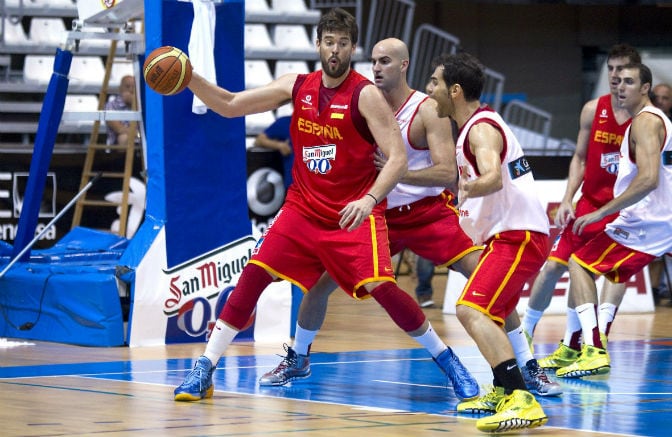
257, 123
285, 67
257, 37
120, 68
48, 31
292, 37
257, 73
80, 103
256, 6
87, 70
38, 69
14, 33
364, 68
285, 110
288, 5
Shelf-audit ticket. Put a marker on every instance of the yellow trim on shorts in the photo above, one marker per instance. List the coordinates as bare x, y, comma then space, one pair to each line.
353, 293
486, 311
374, 242
558, 260
461, 255
614, 268
374, 254
274, 272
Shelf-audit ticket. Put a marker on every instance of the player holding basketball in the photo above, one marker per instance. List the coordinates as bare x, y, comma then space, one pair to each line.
420, 215
593, 169
499, 208
642, 229
333, 216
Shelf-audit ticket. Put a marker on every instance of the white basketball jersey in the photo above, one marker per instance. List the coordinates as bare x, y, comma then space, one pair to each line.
404, 194
516, 206
646, 226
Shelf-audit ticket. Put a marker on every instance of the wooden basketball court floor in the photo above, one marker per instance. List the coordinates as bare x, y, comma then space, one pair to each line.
368, 379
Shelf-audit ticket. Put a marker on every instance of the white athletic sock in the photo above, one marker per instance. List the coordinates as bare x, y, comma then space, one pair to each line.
431, 341
222, 335
588, 318
530, 320
573, 326
520, 347
303, 338
606, 315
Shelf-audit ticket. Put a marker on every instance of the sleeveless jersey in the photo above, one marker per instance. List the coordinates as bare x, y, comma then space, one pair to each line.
514, 207
332, 160
603, 154
646, 226
404, 194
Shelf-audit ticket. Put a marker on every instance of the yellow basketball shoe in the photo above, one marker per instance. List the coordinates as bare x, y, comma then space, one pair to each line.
485, 404
561, 357
592, 361
518, 410
604, 339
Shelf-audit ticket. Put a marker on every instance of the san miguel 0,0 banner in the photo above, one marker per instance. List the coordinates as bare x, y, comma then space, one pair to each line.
181, 304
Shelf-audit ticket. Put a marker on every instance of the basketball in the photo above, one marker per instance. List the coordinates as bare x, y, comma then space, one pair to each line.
167, 70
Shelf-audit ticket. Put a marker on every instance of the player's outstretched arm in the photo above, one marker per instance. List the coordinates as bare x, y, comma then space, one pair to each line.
237, 104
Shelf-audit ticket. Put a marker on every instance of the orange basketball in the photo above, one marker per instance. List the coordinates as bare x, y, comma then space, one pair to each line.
167, 70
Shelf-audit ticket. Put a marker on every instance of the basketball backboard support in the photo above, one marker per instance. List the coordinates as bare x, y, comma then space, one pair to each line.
106, 13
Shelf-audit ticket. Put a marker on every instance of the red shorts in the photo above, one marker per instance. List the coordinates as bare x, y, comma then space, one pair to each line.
429, 228
299, 249
568, 242
509, 260
604, 256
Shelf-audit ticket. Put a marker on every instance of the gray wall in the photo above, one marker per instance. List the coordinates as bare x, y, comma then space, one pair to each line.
549, 51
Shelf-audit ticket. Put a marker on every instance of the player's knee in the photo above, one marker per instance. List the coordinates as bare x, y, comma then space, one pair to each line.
401, 307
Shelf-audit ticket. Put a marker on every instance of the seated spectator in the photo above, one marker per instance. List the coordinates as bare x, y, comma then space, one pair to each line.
117, 130
662, 98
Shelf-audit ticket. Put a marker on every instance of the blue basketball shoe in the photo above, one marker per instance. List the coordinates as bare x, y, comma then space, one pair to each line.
464, 385
198, 383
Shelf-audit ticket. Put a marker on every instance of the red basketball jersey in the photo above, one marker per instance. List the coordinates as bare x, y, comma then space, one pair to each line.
333, 162
603, 154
